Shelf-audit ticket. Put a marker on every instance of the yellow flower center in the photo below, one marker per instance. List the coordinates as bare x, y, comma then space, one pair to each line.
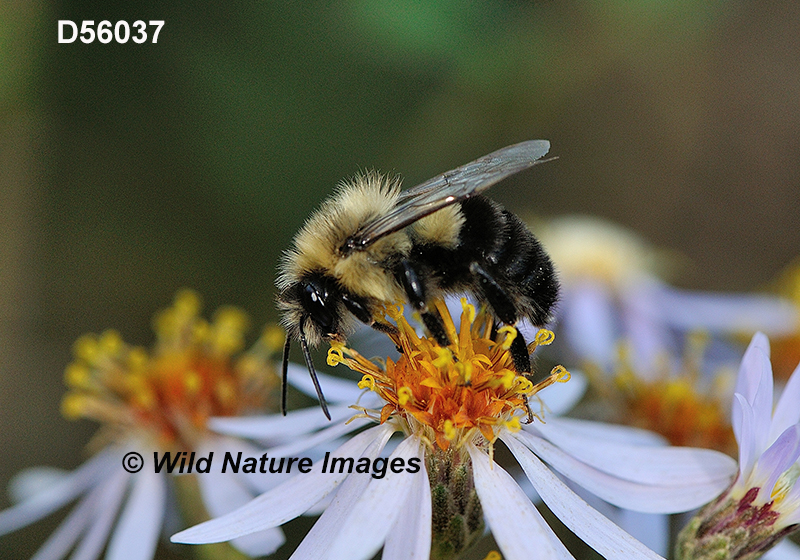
193, 373
456, 393
677, 406
674, 408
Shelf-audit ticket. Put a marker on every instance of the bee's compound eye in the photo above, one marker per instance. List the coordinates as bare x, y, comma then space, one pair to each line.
317, 303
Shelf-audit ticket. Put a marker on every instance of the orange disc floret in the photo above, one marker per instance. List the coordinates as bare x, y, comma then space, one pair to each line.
450, 393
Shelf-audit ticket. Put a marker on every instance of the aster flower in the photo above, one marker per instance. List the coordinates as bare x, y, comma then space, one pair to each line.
677, 399
148, 402
612, 296
763, 505
431, 495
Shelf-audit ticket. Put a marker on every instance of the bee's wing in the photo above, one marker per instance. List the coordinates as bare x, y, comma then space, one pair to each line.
448, 188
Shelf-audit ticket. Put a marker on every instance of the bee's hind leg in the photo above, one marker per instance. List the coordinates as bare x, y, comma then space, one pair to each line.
433, 322
519, 353
504, 309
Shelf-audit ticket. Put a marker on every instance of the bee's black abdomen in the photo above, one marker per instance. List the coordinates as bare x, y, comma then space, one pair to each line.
532, 272
498, 260
501, 243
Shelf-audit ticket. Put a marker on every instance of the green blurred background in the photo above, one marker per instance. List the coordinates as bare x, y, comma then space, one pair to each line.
129, 171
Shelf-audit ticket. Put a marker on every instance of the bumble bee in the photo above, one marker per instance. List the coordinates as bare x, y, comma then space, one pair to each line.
371, 244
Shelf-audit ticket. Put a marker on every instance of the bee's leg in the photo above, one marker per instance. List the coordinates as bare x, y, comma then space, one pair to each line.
433, 322
415, 293
529, 419
504, 309
519, 353
386, 328
361, 309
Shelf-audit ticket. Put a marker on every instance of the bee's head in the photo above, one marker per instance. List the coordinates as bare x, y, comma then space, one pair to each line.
312, 308
312, 312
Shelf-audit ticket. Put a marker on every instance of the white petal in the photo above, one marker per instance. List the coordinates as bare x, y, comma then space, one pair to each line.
138, 528
83, 516
778, 458
559, 398
370, 520
591, 527
784, 550
329, 434
515, 524
295, 423
651, 529
644, 324
335, 389
644, 464
743, 421
410, 538
63, 492
786, 411
612, 433
226, 453
728, 313
64, 538
588, 320
103, 516
35, 480
754, 383
283, 502
262, 543
647, 498
223, 493
319, 539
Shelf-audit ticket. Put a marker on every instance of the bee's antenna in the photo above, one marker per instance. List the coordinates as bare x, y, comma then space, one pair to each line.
285, 372
312, 371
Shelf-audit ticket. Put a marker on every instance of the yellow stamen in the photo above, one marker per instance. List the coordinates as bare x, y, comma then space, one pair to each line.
77, 376
171, 391
229, 327
444, 358
335, 354
72, 406
449, 326
367, 382
682, 406
513, 425
404, 395
511, 334
192, 382
110, 342
544, 337
469, 309
560, 374
86, 349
